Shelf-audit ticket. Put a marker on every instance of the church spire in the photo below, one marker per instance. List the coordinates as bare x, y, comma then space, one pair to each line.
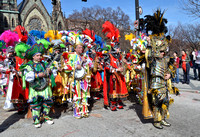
55, 13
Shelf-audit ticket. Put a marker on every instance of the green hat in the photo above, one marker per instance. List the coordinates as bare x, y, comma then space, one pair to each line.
21, 48
36, 48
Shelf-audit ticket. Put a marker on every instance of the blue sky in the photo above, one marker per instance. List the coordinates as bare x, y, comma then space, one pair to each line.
174, 13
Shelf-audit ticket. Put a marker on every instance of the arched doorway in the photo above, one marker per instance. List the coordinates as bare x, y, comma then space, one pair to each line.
60, 26
13, 23
5, 22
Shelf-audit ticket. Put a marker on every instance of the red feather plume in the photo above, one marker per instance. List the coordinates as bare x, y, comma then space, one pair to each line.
90, 33
111, 30
22, 33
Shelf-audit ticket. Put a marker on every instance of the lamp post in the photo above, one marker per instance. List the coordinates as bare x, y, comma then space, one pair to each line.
137, 15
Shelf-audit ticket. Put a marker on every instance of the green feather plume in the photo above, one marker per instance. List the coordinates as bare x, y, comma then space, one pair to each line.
20, 49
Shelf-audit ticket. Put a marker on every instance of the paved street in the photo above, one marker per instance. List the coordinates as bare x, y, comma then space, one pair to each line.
184, 117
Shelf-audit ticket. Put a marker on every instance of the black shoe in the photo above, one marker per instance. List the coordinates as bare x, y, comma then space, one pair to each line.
188, 83
195, 78
183, 82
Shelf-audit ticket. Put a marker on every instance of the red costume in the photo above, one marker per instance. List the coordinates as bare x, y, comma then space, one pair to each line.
19, 95
114, 87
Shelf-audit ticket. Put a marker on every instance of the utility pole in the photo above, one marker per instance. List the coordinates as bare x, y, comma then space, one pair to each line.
137, 15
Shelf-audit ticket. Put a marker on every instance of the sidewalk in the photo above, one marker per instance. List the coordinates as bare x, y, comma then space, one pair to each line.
194, 85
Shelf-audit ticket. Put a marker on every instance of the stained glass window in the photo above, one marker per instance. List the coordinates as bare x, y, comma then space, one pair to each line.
35, 24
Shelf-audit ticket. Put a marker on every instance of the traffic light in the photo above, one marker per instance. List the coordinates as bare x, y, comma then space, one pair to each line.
84, 0
141, 23
53, 2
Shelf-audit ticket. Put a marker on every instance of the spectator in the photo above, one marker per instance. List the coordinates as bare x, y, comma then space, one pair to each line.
194, 55
177, 60
186, 67
198, 63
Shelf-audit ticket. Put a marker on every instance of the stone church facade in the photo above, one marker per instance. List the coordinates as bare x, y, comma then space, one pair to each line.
31, 14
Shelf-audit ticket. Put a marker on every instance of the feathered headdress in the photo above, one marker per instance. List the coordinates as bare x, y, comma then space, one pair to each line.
98, 41
44, 42
9, 38
90, 33
156, 23
20, 49
74, 38
140, 42
112, 32
53, 35
22, 33
37, 34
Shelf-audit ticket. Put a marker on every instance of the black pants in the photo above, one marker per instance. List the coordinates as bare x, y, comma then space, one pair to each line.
198, 67
186, 75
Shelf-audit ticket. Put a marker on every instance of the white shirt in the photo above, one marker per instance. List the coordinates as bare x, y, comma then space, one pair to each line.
194, 56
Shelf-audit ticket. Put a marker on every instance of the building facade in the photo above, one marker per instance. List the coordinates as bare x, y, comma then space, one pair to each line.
31, 14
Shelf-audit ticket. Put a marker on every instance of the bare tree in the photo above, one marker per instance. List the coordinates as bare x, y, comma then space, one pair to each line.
185, 37
94, 17
192, 7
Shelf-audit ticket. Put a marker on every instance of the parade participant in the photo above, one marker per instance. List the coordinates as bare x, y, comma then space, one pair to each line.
96, 80
159, 81
59, 89
40, 76
10, 38
19, 94
10, 62
114, 88
3, 75
79, 82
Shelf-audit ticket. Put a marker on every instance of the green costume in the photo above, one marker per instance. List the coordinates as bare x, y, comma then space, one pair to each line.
40, 100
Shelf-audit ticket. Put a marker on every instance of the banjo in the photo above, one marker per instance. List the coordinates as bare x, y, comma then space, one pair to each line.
79, 74
41, 83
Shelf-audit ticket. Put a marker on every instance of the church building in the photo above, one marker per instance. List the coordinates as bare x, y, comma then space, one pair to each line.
31, 14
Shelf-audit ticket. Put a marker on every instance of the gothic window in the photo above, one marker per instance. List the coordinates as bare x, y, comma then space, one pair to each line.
59, 26
35, 24
13, 23
5, 22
